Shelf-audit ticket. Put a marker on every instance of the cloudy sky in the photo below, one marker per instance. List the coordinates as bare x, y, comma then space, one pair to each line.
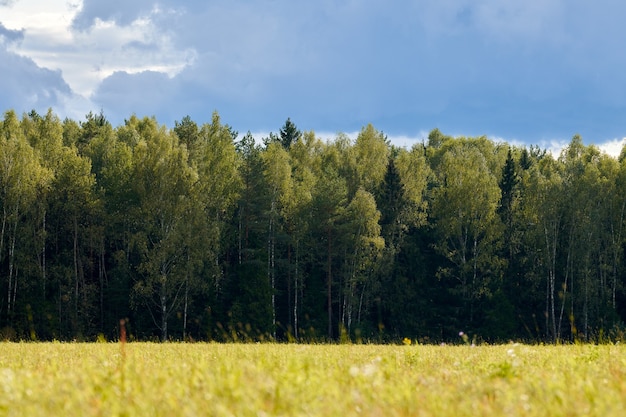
532, 72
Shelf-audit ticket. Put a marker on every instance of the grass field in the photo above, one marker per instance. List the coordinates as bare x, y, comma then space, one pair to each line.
144, 379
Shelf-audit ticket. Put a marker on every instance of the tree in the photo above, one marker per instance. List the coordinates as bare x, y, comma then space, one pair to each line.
414, 175
247, 296
289, 134
589, 229
218, 187
111, 164
277, 172
508, 211
67, 220
464, 211
22, 180
162, 182
296, 209
72, 205
371, 159
219, 182
363, 249
93, 126
329, 201
507, 184
544, 186
402, 203
188, 133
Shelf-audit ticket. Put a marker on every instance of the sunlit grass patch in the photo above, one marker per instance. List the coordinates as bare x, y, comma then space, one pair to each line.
146, 379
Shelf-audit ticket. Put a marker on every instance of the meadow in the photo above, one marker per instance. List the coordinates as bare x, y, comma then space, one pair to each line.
175, 379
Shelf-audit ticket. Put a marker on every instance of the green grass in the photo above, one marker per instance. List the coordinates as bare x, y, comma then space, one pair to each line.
144, 379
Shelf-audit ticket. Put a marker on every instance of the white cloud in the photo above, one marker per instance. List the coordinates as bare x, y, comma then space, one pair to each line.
529, 70
613, 147
405, 141
85, 58
402, 141
554, 146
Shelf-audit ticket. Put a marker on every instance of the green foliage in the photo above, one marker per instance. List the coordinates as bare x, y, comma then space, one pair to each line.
464, 208
372, 153
194, 233
289, 134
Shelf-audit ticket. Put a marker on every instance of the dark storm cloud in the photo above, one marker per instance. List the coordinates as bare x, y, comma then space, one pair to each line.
528, 70
24, 85
10, 35
121, 11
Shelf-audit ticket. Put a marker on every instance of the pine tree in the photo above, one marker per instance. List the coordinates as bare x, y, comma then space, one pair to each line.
289, 134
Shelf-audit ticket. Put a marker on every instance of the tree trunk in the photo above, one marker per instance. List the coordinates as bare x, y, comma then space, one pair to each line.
163, 309
551, 252
329, 287
239, 236
2, 231
360, 304
102, 279
43, 257
474, 278
185, 308
14, 288
11, 278
568, 271
295, 294
270, 267
75, 252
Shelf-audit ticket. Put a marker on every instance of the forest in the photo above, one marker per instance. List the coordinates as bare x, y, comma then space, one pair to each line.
199, 233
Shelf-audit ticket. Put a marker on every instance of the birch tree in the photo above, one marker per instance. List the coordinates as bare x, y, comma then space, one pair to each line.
277, 172
464, 213
162, 181
22, 179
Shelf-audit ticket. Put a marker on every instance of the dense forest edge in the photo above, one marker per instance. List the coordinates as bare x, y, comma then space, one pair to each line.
199, 233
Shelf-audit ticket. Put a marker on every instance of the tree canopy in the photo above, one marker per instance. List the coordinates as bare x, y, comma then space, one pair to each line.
197, 233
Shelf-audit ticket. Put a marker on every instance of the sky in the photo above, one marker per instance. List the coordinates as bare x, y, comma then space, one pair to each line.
524, 72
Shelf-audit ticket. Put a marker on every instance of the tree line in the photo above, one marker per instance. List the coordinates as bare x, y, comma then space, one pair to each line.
198, 233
